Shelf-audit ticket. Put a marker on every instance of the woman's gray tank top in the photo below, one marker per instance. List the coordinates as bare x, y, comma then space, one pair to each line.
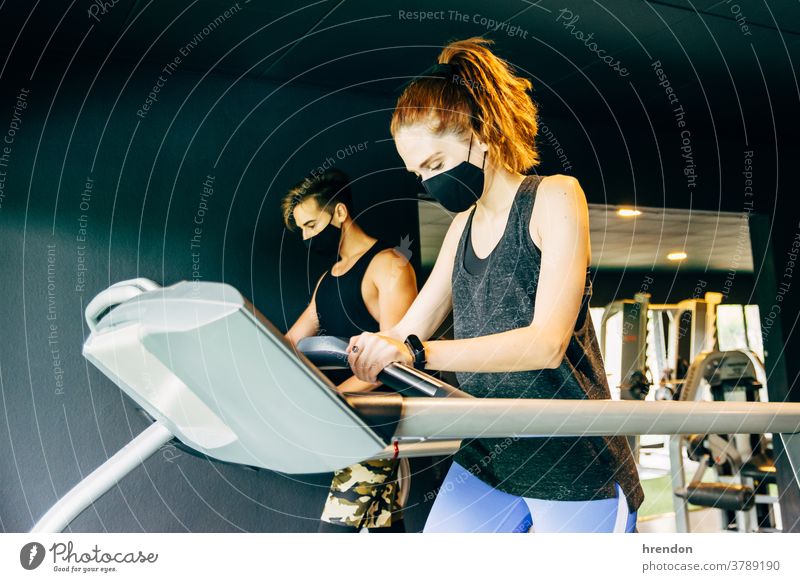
500, 299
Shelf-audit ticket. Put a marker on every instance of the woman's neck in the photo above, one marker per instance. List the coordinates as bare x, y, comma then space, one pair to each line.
502, 186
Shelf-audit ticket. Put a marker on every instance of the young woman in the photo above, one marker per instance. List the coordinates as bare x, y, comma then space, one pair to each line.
514, 269
368, 287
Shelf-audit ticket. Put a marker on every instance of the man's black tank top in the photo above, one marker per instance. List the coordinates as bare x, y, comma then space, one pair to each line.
501, 298
341, 310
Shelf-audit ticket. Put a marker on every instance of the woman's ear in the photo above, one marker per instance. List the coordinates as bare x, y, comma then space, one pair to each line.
480, 150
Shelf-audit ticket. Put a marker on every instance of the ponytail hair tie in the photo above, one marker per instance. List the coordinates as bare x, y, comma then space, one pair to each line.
441, 70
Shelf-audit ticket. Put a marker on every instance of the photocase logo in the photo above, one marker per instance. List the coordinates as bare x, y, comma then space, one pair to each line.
404, 248
31, 555
402, 255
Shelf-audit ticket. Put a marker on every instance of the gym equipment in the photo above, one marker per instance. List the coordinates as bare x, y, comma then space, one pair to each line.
743, 462
692, 330
633, 383
214, 373
658, 342
655, 354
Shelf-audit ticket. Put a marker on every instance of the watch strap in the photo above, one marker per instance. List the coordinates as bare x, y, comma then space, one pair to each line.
417, 350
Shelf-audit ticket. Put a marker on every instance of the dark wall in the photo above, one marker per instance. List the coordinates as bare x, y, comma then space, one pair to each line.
668, 286
61, 245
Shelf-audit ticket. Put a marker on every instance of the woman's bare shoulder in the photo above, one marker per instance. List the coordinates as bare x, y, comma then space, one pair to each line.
557, 184
558, 196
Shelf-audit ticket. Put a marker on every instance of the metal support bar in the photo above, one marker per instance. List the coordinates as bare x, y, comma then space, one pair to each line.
678, 480
99, 481
502, 417
431, 448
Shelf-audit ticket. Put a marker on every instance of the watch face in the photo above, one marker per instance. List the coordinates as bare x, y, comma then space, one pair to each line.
417, 350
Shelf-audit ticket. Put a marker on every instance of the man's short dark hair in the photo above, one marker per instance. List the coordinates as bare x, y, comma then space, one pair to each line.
328, 189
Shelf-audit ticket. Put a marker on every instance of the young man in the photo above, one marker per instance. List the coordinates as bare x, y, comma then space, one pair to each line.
368, 287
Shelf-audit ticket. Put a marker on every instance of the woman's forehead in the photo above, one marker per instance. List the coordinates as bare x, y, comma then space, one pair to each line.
417, 142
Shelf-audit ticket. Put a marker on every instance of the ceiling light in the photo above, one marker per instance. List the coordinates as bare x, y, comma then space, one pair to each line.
628, 212
677, 256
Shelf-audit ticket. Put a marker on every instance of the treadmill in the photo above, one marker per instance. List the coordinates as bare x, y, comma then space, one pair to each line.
215, 374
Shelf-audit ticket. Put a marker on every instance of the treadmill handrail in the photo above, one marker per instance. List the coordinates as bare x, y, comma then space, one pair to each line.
330, 353
115, 295
503, 417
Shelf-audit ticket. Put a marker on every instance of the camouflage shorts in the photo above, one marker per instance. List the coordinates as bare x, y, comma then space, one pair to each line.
358, 496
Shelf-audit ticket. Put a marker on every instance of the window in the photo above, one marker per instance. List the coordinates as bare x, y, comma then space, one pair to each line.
739, 328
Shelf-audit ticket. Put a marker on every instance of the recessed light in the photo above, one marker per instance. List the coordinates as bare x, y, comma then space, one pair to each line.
677, 256
628, 212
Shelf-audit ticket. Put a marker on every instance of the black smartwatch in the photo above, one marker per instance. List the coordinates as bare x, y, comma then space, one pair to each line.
417, 350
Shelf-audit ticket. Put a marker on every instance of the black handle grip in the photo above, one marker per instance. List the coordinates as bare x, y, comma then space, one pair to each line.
326, 352
406, 379
329, 353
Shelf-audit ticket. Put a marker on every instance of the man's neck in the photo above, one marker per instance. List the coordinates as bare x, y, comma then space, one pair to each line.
354, 241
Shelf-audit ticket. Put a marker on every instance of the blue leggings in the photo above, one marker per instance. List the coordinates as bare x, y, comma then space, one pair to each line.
464, 503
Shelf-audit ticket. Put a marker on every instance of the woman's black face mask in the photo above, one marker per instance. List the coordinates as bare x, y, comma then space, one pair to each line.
458, 188
326, 241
